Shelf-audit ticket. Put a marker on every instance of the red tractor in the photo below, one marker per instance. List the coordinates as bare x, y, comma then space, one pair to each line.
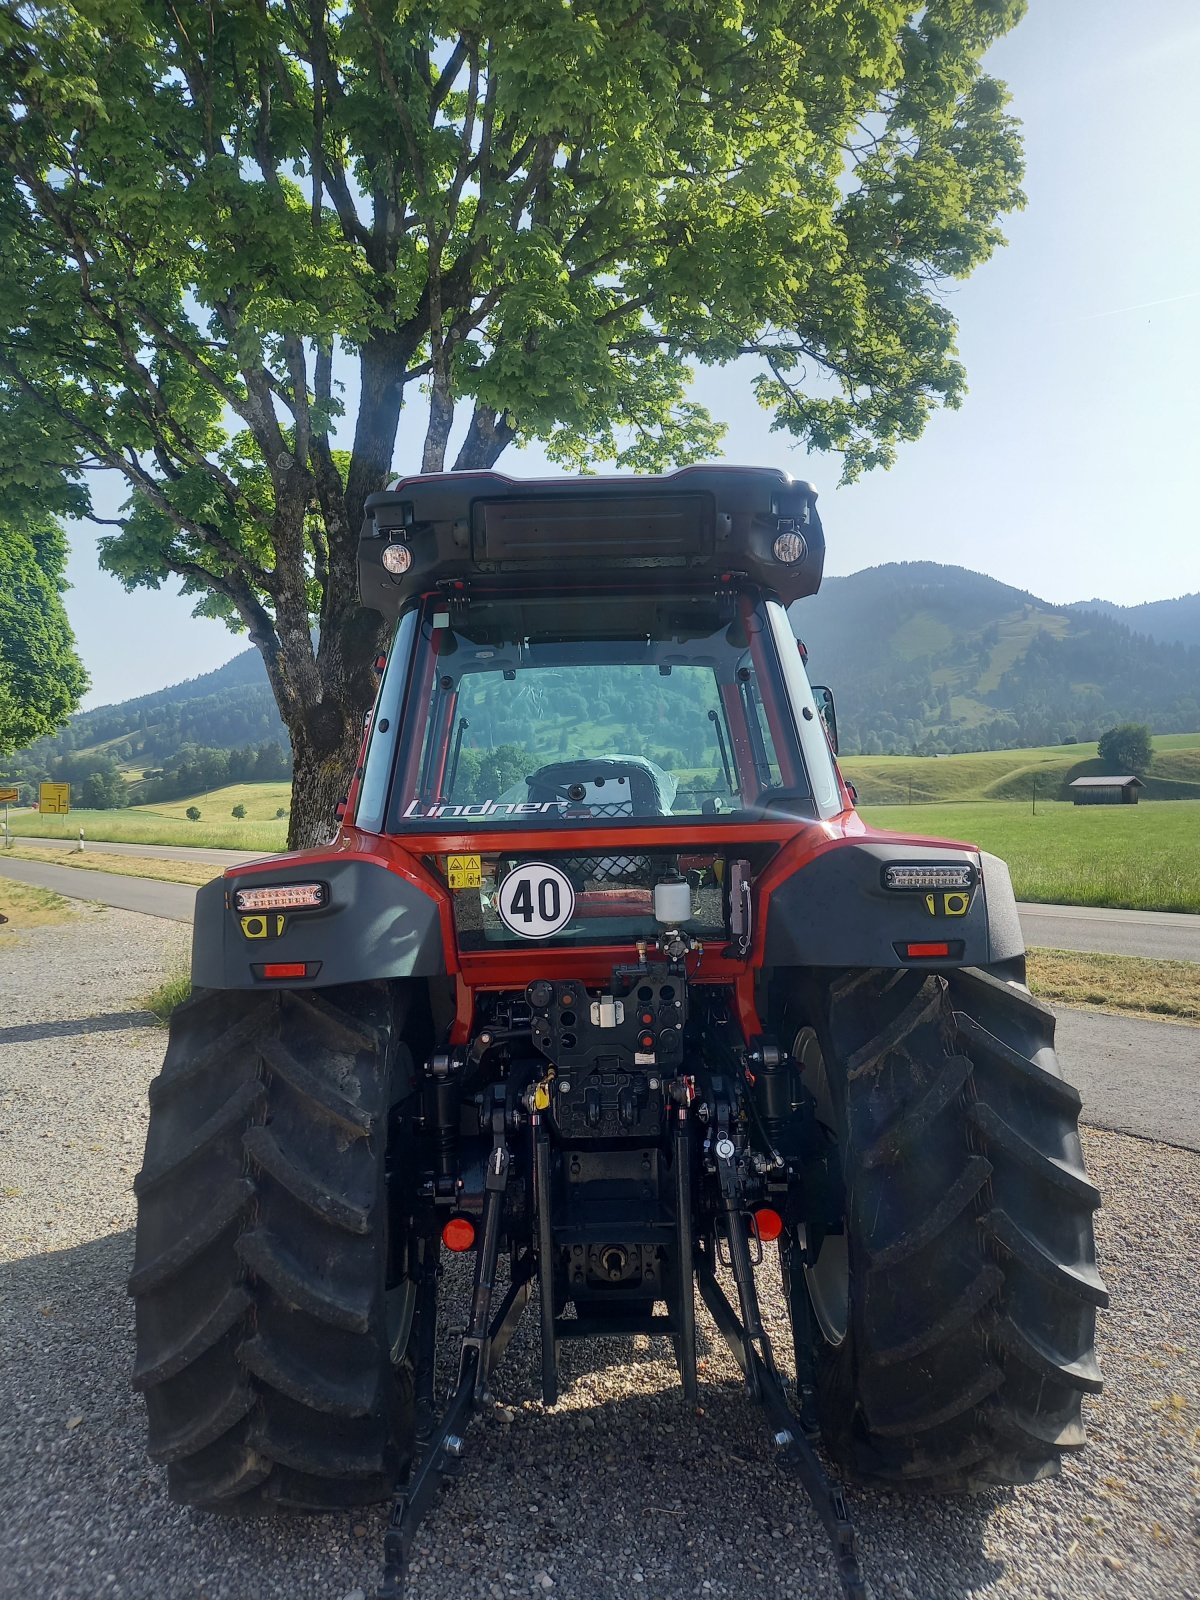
604, 980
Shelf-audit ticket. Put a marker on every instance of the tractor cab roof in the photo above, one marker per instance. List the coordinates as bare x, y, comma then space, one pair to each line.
702, 524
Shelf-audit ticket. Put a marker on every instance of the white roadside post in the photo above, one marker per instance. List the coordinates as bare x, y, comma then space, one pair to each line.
79, 846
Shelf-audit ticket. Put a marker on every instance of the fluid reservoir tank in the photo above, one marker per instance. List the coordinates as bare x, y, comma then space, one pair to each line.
672, 902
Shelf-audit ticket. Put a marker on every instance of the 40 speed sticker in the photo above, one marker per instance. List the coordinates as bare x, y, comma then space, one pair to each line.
536, 900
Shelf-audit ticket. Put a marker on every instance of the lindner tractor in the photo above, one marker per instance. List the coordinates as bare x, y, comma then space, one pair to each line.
604, 981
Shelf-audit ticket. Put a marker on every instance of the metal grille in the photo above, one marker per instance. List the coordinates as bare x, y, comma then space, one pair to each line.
583, 870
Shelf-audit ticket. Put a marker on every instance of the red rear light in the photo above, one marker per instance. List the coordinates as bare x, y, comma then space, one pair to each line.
285, 969
915, 951
458, 1234
769, 1224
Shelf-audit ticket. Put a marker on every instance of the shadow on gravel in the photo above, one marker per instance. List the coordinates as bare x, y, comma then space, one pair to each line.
620, 1479
110, 1022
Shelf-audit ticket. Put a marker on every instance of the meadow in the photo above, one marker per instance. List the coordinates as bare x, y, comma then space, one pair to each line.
1016, 774
168, 823
1141, 858
1144, 857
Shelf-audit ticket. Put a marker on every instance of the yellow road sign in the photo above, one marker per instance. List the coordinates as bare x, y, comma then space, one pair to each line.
9, 796
54, 798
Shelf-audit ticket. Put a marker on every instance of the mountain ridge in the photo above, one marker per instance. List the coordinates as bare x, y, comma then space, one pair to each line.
924, 657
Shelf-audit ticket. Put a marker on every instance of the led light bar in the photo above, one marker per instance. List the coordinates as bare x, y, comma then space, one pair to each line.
916, 875
282, 897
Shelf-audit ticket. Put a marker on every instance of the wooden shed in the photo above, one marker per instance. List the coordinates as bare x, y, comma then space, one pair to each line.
1116, 791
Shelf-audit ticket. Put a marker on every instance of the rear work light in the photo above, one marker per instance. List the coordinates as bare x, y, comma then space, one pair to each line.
789, 548
282, 897
916, 875
396, 559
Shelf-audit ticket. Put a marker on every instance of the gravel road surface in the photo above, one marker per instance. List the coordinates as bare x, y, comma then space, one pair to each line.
619, 1491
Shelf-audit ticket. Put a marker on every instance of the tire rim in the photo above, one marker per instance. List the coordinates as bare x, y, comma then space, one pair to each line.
828, 1279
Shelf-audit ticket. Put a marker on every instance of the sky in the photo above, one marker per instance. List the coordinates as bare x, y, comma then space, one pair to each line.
1069, 470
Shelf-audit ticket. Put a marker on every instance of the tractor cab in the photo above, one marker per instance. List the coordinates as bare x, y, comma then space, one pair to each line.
575, 664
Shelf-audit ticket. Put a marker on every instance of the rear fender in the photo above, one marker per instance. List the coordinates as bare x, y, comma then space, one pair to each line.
834, 911
375, 923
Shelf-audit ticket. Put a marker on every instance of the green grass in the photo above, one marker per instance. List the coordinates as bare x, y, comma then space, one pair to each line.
216, 830
1143, 858
172, 992
261, 800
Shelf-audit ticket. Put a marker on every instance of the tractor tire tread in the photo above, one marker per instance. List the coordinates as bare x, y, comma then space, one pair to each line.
259, 1274
969, 1215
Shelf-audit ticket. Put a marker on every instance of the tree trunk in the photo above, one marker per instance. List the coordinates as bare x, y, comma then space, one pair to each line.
325, 746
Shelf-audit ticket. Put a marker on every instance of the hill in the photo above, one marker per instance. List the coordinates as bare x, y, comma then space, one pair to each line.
1170, 621
931, 659
924, 659
200, 734
1028, 775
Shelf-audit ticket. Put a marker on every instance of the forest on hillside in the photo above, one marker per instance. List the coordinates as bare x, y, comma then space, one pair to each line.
924, 659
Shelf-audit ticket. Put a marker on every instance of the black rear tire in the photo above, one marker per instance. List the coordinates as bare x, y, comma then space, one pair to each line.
968, 1256
262, 1277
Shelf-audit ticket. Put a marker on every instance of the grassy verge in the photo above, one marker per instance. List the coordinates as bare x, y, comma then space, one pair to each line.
1141, 858
26, 907
195, 872
1126, 985
172, 992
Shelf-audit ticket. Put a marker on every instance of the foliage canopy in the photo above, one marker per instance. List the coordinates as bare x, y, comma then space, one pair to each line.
1127, 748
41, 677
240, 238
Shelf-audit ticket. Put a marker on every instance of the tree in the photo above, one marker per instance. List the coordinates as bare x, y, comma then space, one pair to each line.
1127, 748
239, 811
103, 789
529, 219
41, 677
192, 813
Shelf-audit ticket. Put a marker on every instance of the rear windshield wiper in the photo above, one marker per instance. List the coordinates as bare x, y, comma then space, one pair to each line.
715, 719
463, 725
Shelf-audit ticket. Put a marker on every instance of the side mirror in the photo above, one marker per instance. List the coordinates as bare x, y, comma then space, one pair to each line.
824, 700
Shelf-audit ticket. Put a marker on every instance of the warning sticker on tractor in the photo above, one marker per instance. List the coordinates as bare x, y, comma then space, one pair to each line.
267, 926
464, 872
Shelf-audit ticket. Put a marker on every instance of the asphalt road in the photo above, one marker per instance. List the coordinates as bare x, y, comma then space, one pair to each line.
150, 896
157, 852
1135, 1077
1158, 935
